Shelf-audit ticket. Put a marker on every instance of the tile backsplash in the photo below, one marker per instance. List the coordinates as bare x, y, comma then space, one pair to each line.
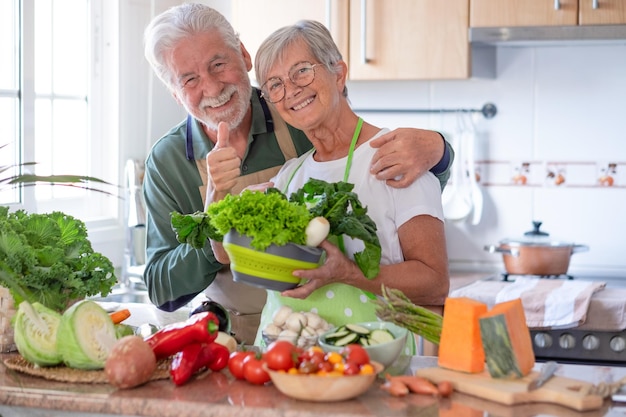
554, 152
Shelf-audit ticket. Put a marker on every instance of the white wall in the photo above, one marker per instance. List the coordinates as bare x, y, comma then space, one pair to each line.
563, 105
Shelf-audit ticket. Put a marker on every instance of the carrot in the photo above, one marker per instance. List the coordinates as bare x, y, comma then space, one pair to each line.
445, 388
394, 387
120, 315
416, 384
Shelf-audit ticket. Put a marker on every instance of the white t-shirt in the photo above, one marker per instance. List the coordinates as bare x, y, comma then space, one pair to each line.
388, 207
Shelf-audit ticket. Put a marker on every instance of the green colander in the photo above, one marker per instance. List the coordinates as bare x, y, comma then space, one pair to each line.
271, 269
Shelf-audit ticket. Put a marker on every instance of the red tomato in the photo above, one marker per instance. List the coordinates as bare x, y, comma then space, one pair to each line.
235, 363
281, 356
351, 368
253, 370
326, 366
355, 353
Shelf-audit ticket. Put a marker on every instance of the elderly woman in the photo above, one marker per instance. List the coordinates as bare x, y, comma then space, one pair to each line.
302, 74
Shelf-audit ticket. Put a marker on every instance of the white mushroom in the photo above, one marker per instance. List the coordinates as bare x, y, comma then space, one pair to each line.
280, 317
314, 320
288, 335
296, 322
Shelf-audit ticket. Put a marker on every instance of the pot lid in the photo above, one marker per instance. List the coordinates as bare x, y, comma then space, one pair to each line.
536, 237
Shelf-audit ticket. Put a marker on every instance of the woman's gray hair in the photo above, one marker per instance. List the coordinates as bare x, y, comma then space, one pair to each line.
175, 24
314, 34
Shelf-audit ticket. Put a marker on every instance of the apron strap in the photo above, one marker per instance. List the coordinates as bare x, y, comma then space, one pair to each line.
282, 135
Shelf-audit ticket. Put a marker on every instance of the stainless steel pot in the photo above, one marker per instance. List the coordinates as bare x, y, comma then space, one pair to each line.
536, 253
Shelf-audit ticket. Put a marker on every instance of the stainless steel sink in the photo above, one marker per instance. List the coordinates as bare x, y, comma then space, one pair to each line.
126, 297
126, 294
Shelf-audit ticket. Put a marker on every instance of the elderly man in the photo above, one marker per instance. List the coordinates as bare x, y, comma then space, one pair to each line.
230, 139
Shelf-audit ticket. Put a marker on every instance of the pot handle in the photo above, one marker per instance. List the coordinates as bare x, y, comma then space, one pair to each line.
497, 249
580, 248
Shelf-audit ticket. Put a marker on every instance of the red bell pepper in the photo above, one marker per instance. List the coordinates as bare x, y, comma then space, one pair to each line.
195, 357
184, 363
218, 356
171, 339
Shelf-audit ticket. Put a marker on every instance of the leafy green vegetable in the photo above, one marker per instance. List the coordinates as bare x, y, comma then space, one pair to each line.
346, 215
48, 258
35, 333
85, 336
270, 218
267, 218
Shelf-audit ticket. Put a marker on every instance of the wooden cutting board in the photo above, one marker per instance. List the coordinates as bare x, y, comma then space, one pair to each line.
557, 390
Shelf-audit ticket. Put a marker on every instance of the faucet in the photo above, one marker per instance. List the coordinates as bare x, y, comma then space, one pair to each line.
135, 224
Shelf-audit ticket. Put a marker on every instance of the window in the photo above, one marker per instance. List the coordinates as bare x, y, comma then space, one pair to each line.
60, 73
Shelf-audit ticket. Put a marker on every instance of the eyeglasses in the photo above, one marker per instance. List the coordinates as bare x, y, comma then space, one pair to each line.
301, 74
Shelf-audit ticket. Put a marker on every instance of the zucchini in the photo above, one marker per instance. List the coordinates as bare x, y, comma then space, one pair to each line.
338, 334
355, 333
380, 336
360, 330
346, 340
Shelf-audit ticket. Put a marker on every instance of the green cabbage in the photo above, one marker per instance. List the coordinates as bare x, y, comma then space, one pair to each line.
35, 333
85, 336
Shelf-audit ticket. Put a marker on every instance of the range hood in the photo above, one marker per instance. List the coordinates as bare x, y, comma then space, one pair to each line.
547, 35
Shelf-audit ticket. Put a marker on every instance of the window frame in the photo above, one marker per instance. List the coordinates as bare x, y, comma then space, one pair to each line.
100, 212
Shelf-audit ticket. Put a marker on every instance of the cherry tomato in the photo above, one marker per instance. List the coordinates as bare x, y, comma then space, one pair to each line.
351, 368
307, 367
235, 363
326, 367
355, 353
281, 356
253, 370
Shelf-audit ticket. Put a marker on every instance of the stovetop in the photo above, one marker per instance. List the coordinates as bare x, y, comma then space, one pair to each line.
611, 281
574, 345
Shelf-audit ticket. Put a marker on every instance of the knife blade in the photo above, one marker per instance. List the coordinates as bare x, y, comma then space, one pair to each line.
547, 371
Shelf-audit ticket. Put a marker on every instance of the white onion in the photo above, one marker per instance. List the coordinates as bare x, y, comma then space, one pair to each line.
316, 231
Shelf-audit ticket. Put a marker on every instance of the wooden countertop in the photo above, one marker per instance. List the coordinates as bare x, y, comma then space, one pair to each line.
219, 394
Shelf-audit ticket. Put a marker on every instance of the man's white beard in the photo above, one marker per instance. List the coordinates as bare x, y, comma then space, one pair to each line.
234, 115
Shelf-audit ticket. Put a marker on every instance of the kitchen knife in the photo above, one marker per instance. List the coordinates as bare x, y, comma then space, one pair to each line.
547, 371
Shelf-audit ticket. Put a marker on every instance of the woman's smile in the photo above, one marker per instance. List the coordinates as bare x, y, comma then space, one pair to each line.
305, 103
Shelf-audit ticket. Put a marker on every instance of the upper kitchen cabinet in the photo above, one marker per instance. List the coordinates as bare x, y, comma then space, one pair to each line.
409, 39
516, 13
255, 20
602, 12
380, 40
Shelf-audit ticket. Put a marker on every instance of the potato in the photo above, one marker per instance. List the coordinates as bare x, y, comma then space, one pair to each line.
130, 363
227, 340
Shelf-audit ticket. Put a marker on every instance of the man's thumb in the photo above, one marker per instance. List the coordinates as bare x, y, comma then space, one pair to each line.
223, 135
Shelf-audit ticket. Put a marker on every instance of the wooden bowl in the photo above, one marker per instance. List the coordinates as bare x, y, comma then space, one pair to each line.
323, 388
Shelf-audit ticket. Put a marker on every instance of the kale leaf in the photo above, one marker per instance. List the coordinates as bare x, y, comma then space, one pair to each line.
48, 258
346, 215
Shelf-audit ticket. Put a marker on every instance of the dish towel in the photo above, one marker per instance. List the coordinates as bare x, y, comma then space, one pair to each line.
555, 303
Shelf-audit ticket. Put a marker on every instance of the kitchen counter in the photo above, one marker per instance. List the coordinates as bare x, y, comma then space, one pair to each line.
219, 394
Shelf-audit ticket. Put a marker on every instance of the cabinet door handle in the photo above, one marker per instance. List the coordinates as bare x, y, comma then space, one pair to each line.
594, 4
364, 59
557, 4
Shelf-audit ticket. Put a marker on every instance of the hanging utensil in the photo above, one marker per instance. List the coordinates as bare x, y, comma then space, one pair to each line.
456, 198
475, 191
